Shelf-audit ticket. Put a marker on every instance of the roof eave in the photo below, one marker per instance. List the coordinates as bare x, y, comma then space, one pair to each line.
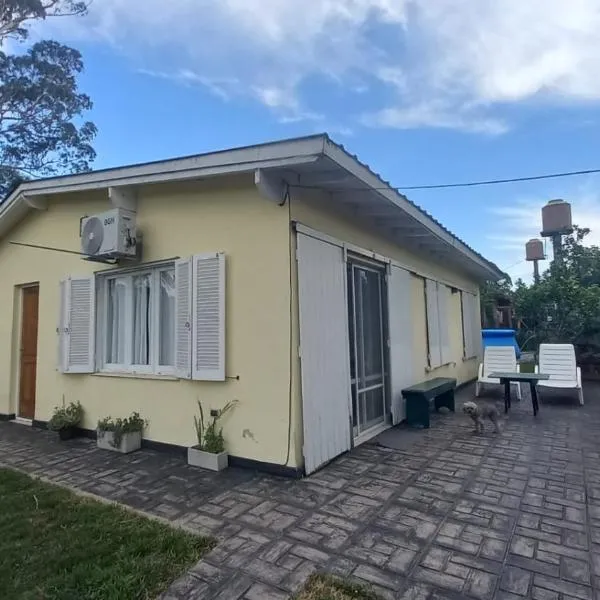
374, 181
237, 161
287, 153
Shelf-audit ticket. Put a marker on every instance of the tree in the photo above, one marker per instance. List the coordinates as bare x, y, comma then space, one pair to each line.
494, 295
14, 14
565, 305
42, 132
582, 262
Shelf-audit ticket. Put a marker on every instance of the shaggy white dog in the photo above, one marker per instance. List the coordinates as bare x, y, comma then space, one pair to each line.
479, 413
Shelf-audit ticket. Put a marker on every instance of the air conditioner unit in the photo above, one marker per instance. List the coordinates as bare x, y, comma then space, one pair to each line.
110, 235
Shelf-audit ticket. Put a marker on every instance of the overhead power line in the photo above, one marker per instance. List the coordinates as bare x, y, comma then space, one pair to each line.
497, 181
465, 184
515, 264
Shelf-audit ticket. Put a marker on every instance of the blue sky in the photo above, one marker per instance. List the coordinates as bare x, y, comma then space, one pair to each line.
424, 92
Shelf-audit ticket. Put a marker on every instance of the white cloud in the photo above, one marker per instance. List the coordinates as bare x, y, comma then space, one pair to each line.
441, 63
434, 114
516, 223
222, 88
284, 101
515, 50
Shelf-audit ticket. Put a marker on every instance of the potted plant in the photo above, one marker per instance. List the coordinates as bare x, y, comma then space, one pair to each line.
65, 420
120, 435
210, 452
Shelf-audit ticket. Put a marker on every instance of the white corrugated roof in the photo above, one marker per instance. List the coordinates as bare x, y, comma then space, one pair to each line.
313, 161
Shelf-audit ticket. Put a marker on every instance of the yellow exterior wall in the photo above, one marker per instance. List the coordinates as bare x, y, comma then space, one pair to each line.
181, 220
312, 212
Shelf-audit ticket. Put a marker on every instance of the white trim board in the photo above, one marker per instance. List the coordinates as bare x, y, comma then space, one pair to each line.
349, 247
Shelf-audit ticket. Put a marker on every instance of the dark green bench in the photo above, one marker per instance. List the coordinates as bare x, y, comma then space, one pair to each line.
418, 398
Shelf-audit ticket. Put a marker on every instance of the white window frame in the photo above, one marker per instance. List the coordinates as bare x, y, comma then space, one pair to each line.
153, 368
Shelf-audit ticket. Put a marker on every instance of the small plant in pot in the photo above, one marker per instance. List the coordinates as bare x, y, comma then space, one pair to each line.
210, 452
66, 419
120, 435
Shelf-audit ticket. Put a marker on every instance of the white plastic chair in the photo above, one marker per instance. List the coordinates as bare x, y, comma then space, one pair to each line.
497, 359
558, 361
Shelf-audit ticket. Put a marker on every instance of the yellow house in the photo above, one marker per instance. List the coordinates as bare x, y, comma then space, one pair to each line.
287, 276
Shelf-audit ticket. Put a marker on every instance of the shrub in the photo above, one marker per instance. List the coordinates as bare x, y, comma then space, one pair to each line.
210, 437
64, 417
118, 427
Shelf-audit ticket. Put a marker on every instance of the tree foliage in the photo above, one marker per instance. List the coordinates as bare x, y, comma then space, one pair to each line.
14, 14
42, 132
564, 307
494, 294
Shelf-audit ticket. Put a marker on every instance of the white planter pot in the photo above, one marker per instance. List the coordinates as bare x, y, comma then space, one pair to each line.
130, 442
207, 460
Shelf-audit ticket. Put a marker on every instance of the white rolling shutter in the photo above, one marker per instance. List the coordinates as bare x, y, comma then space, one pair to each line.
61, 327
80, 338
444, 298
401, 339
208, 322
433, 323
325, 353
183, 318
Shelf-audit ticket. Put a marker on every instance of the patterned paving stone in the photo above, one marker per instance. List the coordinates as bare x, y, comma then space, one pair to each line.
259, 591
323, 530
377, 576
352, 506
516, 580
384, 549
447, 515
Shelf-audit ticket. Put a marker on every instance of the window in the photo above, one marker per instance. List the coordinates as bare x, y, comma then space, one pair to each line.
136, 323
437, 302
471, 325
163, 319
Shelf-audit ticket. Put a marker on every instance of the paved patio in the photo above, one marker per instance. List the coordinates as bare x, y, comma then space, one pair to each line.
450, 515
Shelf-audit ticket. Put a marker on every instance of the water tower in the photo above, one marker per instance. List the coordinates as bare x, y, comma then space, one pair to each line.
556, 222
534, 252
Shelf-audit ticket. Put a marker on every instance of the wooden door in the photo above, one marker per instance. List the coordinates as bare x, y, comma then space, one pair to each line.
29, 335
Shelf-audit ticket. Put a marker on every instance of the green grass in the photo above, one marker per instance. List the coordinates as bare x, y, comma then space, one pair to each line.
55, 545
326, 587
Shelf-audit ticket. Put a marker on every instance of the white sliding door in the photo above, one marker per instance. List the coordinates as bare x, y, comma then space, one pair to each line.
324, 351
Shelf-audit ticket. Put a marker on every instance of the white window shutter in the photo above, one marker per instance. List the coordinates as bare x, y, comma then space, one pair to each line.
208, 322
444, 299
401, 339
471, 324
61, 327
476, 325
467, 326
183, 318
433, 323
80, 338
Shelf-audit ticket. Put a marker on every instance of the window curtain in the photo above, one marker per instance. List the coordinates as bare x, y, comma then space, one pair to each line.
167, 318
142, 288
116, 322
